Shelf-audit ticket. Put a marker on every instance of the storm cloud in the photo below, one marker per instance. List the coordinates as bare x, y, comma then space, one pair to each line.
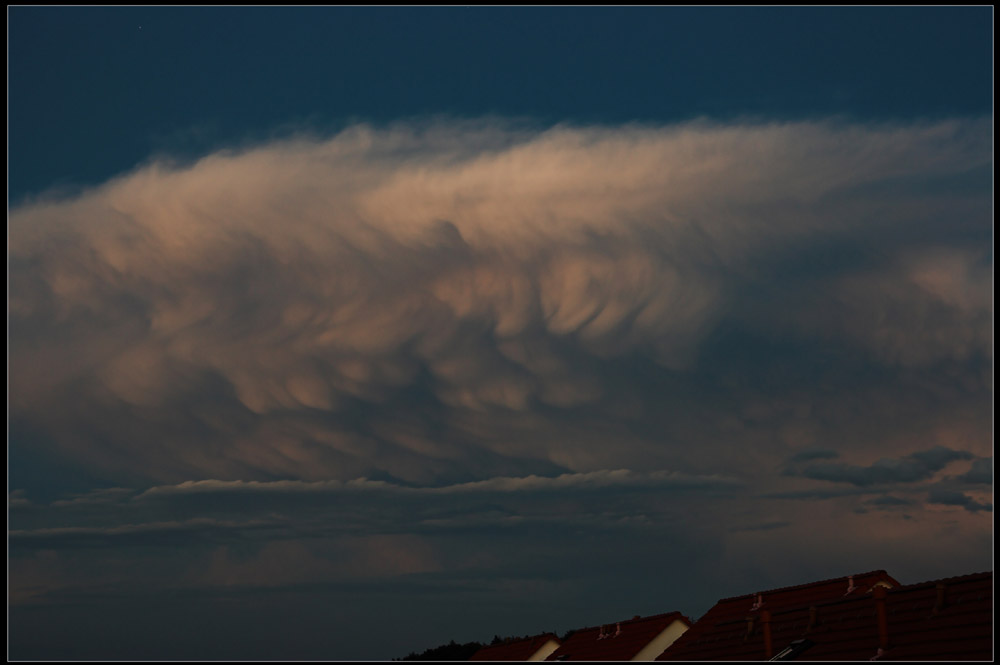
323, 321
449, 302
479, 363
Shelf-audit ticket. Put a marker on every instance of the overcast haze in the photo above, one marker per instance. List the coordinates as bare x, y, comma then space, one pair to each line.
402, 325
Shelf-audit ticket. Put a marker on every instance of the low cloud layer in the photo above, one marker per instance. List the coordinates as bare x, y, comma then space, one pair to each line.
917, 466
451, 302
564, 482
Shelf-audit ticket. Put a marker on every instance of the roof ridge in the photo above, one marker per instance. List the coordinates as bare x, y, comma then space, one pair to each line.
636, 620
804, 585
838, 601
955, 578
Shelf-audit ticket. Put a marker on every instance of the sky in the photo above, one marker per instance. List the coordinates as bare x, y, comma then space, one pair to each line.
340, 333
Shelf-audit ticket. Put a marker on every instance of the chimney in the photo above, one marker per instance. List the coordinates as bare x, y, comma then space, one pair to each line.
883, 620
765, 621
812, 618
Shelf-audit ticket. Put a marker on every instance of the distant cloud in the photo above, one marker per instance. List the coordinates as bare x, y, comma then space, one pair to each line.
953, 498
567, 481
912, 468
939, 457
980, 473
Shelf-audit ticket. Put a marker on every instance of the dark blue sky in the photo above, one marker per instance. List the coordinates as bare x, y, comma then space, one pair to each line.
341, 333
91, 94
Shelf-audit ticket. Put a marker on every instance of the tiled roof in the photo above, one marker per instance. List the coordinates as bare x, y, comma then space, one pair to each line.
950, 619
515, 650
729, 615
621, 640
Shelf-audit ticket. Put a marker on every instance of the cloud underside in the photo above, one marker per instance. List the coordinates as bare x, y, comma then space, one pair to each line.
445, 303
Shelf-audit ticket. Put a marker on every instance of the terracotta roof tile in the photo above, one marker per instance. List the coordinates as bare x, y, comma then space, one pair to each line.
621, 640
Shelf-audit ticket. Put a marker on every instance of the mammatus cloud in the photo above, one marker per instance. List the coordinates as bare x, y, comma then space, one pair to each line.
431, 302
929, 305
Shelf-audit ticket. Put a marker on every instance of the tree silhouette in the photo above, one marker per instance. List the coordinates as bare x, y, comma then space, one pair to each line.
450, 651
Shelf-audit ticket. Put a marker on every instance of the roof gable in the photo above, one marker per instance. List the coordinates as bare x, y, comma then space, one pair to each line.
515, 649
621, 640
